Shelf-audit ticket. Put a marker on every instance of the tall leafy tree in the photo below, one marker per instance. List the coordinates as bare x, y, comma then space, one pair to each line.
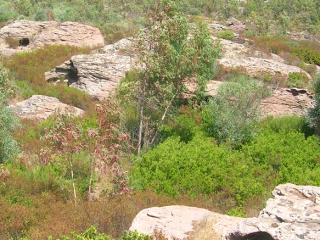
171, 53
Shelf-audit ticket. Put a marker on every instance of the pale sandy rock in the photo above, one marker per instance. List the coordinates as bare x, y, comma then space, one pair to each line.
96, 74
41, 107
174, 221
282, 102
258, 67
293, 214
212, 87
256, 63
35, 34
286, 101
125, 45
216, 26
304, 36
235, 25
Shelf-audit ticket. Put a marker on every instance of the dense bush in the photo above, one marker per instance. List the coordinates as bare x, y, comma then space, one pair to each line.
231, 114
297, 80
227, 34
308, 55
275, 156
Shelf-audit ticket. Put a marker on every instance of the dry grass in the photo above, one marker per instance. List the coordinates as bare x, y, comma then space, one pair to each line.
203, 230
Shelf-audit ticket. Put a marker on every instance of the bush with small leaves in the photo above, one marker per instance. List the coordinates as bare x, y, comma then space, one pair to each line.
226, 34
297, 80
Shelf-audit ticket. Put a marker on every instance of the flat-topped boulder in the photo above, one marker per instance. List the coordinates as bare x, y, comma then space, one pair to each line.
31, 35
41, 107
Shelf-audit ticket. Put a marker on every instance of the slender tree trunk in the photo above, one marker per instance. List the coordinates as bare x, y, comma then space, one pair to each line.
93, 163
142, 113
164, 115
73, 185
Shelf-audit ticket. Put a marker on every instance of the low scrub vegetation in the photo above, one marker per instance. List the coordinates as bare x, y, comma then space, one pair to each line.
28, 68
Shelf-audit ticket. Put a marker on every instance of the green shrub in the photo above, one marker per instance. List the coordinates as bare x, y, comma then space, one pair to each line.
198, 167
308, 55
287, 124
314, 113
135, 236
279, 154
8, 121
232, 113
296, 80
227, 34
90, 234
40, 15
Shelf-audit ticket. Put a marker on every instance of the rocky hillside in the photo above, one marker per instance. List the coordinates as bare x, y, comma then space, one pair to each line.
224, 108
99, 73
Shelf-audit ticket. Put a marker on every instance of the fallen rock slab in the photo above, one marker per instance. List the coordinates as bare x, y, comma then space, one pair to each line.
41, 107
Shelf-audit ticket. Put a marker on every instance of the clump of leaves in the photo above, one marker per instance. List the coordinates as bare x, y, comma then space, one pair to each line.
226, 34
297, 80
231, 114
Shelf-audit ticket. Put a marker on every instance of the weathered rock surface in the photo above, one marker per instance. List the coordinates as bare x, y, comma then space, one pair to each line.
287, 101
35, 34
174, 221
96, 74
41, 107
256, 63
293, 214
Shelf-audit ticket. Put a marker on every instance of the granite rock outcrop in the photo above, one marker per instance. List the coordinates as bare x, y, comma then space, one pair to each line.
96, 74
293, 214
41, 107
31, 35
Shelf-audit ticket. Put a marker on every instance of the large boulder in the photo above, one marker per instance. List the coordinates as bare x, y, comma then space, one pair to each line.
293, 214
41, 107
179, 221
32, 35
96, 74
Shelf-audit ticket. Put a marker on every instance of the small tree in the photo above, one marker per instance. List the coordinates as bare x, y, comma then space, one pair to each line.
171, 53
8, 121
67, 136
231, 114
